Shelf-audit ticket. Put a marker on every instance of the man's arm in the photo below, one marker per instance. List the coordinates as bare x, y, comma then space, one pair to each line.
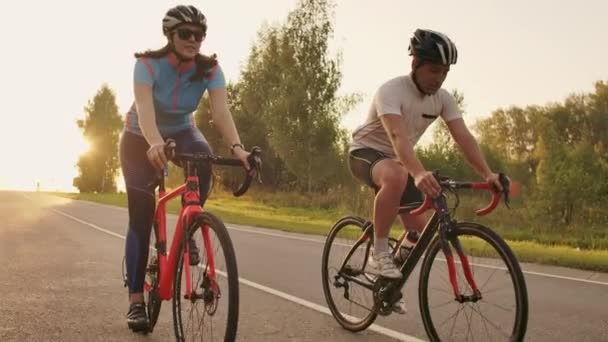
397, 132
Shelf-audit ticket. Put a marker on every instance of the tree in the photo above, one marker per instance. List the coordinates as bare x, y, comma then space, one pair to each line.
598, 119
571, 178
442, 139
101, 128
512, 135
290, 85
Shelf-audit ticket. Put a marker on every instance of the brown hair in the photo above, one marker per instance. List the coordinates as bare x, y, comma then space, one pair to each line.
204, 63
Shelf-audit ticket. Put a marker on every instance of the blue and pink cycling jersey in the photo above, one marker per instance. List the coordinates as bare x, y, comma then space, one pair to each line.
176, 97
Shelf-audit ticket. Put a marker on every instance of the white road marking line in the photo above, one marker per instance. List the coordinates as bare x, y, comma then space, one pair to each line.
285, 236
374, 327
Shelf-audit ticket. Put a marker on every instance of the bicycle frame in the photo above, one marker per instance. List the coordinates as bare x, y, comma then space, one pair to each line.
167, 264
441, 223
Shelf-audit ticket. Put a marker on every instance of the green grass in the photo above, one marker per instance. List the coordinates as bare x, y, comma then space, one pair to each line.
264, 211
245, 211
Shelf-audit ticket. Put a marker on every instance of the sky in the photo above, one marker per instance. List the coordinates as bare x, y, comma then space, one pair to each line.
57, 54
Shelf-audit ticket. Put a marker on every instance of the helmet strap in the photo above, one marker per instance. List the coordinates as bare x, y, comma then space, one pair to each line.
417, 65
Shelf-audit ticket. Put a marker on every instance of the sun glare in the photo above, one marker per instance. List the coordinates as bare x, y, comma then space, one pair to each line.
46, 163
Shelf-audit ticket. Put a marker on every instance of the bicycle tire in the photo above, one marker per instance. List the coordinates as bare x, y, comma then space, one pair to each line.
344, 321
154, 302
218, 227
472, 229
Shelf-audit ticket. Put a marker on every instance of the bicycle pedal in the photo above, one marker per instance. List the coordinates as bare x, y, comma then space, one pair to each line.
139, 327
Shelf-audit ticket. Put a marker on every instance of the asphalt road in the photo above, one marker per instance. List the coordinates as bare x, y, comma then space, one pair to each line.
60, 280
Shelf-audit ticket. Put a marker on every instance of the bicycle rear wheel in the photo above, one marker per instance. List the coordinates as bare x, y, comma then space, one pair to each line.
351, 304
501, 312
210, 311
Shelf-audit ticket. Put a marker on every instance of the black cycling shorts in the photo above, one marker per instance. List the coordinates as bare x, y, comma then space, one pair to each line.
362, 162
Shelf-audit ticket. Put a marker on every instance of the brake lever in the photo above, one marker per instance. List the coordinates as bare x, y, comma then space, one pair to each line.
170, 148
506, 184
258, 170
256, 159
164, 172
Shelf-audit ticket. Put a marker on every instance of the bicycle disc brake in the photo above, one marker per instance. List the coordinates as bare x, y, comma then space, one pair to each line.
211, 294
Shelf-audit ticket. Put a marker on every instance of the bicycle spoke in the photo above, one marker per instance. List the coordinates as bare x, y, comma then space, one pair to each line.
485, 325
468, 317
492, 324
453, 324
451, 301
451, 293
496, 305
360, 305
352, 290
447, 319
445, 280
485, 292
201, 324
191, 320
487, 280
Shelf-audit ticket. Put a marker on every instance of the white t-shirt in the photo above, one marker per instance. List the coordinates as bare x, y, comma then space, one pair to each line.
401, 96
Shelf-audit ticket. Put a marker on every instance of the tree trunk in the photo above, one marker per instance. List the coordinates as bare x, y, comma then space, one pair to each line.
104, 175
309, 162
570, 213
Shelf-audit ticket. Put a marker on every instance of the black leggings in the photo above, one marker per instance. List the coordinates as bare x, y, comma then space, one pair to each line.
138, 174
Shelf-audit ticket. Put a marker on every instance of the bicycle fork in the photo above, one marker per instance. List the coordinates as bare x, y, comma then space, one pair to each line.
449, 237
210, 276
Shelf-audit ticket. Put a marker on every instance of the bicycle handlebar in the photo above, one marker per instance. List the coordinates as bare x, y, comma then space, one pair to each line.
254, 159
450, 184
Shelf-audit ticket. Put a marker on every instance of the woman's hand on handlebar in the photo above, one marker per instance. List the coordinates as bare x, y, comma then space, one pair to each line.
242, 155
156, 155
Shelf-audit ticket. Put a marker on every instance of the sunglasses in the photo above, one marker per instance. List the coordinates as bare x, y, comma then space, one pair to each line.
185, 34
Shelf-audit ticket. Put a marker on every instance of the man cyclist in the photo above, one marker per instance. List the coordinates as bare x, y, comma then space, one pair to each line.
382, 149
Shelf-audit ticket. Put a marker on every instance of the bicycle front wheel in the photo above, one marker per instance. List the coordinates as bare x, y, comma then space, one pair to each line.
498, 311
206, 295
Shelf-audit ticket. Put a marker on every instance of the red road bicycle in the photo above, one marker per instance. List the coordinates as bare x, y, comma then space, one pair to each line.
205, 296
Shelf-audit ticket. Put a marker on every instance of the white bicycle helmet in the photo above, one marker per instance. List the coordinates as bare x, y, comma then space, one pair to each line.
181, 14
432, 46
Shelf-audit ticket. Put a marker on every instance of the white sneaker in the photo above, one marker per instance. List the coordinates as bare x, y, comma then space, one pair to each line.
383, 265
399, 307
